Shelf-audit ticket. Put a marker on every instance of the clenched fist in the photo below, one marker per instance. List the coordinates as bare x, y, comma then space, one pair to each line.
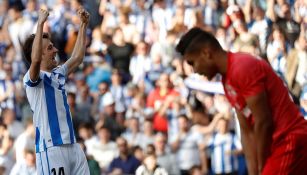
42, 16
83, 15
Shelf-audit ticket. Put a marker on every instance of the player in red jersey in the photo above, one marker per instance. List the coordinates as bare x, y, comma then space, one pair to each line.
274, 133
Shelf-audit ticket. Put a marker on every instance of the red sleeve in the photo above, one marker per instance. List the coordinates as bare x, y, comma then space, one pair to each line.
250, 77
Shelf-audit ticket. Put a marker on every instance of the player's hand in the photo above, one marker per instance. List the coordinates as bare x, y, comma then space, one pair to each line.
42, 16
83, 15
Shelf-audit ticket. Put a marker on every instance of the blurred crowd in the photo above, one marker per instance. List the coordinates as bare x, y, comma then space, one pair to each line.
137, 107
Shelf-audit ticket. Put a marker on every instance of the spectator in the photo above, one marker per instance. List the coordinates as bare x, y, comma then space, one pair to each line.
148, 136
27, 167
140, 63
102, 149
165, 158
125, 163
133, 135
165, 49
96, 71
296, 67
150, 167
162, 95
103, 88
6, 151
245, 42
189, 147
108, 116
118, 90
92, 164
277, 50
141, 17
179, 25
138, 108
84, 105
30, 12
97, 45
162, 17
195, 170
258, 24
130, 31
138, 153
19, 28
86, 134
7, 89
284, 20
224, 147
120, 52
25, 142
14, 127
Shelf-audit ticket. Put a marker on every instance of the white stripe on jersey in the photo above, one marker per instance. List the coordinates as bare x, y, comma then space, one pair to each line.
48, 101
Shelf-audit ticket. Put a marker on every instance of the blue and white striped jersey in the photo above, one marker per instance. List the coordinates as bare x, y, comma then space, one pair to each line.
48, 101
220, 146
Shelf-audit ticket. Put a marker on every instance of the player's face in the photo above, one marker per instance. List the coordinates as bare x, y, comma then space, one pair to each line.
49, 53
202, 64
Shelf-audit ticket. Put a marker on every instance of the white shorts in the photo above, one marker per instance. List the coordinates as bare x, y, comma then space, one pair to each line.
62, 160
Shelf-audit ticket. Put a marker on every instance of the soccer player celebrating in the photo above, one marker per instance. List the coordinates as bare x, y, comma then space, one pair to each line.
56, 149
274, 133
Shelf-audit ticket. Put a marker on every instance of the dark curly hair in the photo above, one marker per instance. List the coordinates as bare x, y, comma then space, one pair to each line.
27, 46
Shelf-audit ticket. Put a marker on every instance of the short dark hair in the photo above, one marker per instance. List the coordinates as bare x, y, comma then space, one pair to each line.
17, 6
104, 127
27, 46
195, 39
86, 125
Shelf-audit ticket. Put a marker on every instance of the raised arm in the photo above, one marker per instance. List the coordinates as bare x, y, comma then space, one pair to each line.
270, 13
210, 128
36, 55
263, 128
247, 11
79, 50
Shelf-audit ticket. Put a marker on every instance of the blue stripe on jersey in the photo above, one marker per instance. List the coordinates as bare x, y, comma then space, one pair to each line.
37, 137
52, 112
45, 147
31, 84
223, 158
68, 117
40, 155
47, 162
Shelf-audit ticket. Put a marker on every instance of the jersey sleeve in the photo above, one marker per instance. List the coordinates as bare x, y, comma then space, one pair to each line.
250, 77
62, 70
27, 82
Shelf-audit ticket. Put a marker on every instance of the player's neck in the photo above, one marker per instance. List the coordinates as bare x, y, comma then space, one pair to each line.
222, 62
44, 68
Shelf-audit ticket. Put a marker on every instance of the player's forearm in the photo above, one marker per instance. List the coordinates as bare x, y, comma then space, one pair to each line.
36, 55
249, 152
79, 49
263, 133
